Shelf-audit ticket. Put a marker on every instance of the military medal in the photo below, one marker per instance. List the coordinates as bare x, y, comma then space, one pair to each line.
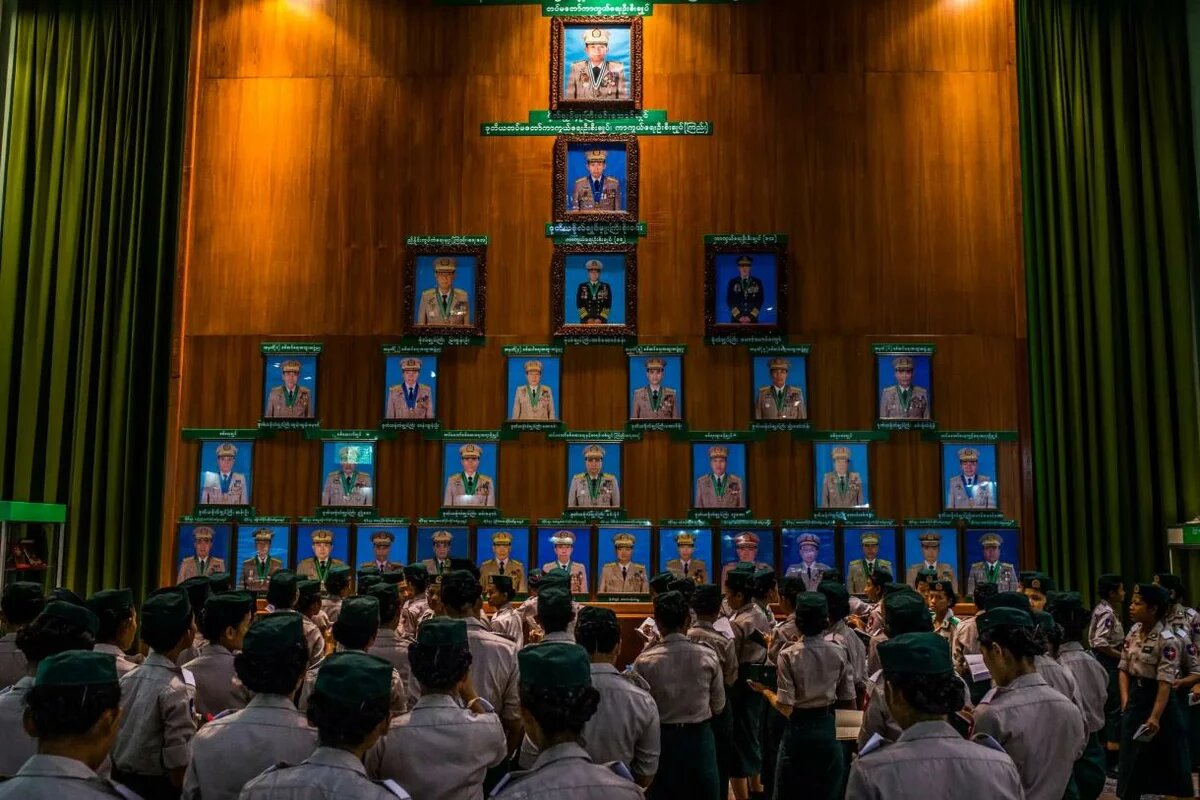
719, 486
290, 395
321, 571
347, 484
593, 487
905, 396
779, 397
469, 483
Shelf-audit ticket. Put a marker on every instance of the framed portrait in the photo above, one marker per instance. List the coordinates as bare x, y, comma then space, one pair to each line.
842, 475
446, 289
226, 472
261, 551
594, 475
569, 549
746, 545
593, 290
931, 548
686, 553
866, 550
596, 64
437, 544
201, 549
808, 553
623, 551
503, 551
289, 386
410, 387
994, 556
320, 547
596, 178
969, 476
655, 387
347, 474
382, 546
904, 386
719, 476
533, 388
745, 290
469, 474
779, 388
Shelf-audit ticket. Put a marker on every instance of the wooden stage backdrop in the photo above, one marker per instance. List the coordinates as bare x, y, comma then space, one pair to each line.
880, 135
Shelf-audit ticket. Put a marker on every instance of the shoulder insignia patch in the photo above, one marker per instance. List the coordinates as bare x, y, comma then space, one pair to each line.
394, 788
987, 741
874, 743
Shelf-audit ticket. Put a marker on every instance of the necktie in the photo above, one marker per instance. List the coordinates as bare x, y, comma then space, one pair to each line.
870, 567
595, 73
501, 567
439, 567
685, 568
203, 565
623, 574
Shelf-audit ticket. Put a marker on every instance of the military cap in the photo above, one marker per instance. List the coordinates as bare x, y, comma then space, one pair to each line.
307, 591
1063, 603
470, 451
1010, 600
594, 265
930, 537
555, 577
778, 363
264, 535
202, 533
503, 583
442, 537
623, 540
502, 538
745, 261
739, 580
1042, 583
322, 536
534, 580
808, 540
110, 600
990, 540
552, 598
410, 365
291, 365
841, 453
444, 264
220, 582
942, 585
76, 668
811, 603
415, 571
350, 454
906, 609
76, 615
166, 610
596, 155
25, 595
718, 451
996, 616
383, 537
1170, 582
593, 451
352, 679
359, 613
968, 454
339, 570
533, 366
833, 589
916, 654
554, 665
229, 607
596, 36
442, 632
745, 538
198, 590
685, 538
596, 614
562, 537
368, 572
791, 586
685, 586
764, 580
662, 581
284, 578
459, 577
1153, 594
368, 582
927, 575
226, 449
902, 362
706, 595
66, 595
274, 634
869, 538
656, 363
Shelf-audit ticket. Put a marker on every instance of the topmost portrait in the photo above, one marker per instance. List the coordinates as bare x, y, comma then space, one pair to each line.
596, 64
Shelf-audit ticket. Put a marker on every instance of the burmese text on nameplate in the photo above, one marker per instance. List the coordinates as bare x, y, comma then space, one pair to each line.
643, 123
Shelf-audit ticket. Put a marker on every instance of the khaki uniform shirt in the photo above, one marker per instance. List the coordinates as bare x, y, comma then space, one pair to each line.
892, 407
414, 611
607, 491
507, 622
236, 747
393, 648
451, 309
18, 746
190, 567
512, 568
704, 633
46, 777
856, 651
966, 643
731, 494
685, 677
566, 771
577, 575
945, 572
335, 494
814, 673
494, 669
331, 607
785, 403
877, 717
745, 621
1090, 678
12, 661
584, 199
1059, 678
251, 568
1001, 573
327, 774
236, 496
695, 569
122, 662
301, 406
782, 634
861, 571
456, 491
1159, 654
540, 407
1105, 629
981, 494
632, 581
835, 494
308, 567
644, 404
156, 721
588, 82
397, 403
217, 686
1185, 622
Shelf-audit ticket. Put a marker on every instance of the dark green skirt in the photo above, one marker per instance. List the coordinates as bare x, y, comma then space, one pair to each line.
1089, 771
748, 705
811, 760
722, 728
687, 767
1112, 701
1163, 764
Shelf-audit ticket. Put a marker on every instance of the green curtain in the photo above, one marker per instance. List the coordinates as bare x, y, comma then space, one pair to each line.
87, 261
1109, 190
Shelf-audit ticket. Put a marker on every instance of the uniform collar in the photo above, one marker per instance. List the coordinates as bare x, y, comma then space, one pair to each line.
708, 626
338, 759
674, 637
271, 701
1026, 681
42, 765
1070, 647
157, 659
559, 636
211, 649
931, 729
110, 649
475, 622
560, 752
385, 633
604, 669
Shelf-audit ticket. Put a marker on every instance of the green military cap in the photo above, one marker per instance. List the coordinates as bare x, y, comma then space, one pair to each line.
685, 586
595, 614
1026, 575
307, 591
22, 592
556, 577
996, 616
662, 581
811, 601
76, 668
284, 578
353, 679
1010, 600
220, 582
503, 583
371, 570
790, 587
442, 632
927, 575
340, 570
73, 614
383, 590
764, 580
1172, 583
166, 610
554, 665
274, 634
65, 595
390, 578
415, 571
534, 580
230, 605
553, 597
893, 588
670, 601
739, 580
916, 654
833, 589
706, 597
198, 589
1153, 594
110, 600
359, 613
1041, 583
368, 582
1042, 621
1064, 603
907, 610
942, 585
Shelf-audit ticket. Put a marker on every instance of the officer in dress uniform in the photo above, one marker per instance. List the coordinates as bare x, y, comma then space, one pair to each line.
745, 545
595, 77
841, 488
469, 487
440, 563
225, 620
596, 191
258, 569
502, 563
410, 399
290, 400
779, 400
970, 490
347, 486
685, 566
564, 547
317, 566
444, 305
808, 570
594, 488
623, 576
992, 569
382, 542
201, 562
861, 569
744, 294
903, 400
533, 400
225, 487
931, 545
118, 626
716, 489
655, 401
20, 604
594, 297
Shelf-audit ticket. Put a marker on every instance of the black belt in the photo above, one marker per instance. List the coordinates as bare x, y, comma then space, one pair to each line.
683, 726
822, 711
1143, 683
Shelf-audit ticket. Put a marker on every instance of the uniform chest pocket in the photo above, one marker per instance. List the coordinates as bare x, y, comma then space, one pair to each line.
1147, 656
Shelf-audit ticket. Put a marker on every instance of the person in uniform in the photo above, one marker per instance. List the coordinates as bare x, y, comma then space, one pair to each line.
564, 547
838, 598
861, 569
684, 565
290, 400
744, 295
706, 605
745, 545
258, 569
444, 305
931, 546
317, 566
841, 488
501, 562
1106, 639
921, 692
779, 400
440, 563
1072, 618
655, 401
283, 594
416, 607
808, 570
942, 599
594, 297
750, 629
201, 562
596, 191
224, 622
382, 542
118, 626
410, 399
337, 589
992, 569
225, 487
506, 619
469, 487
966, 641
198, 589
20, 604
968, 489
347, 486
534, 400
903, 400
716, 489
595, 77
623, 576
594, 488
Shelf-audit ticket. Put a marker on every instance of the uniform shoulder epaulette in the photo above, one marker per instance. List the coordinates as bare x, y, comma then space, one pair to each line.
394, 788
1167, 633
874, 743
511, 777
987, 741
987, 698
618, 768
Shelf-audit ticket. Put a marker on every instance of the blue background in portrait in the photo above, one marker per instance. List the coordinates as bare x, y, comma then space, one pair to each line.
852, 541
735, 464
520, 546
575, 50
452, 463
281, 546
615, 166
951, 467
612, 462
220, 544
948, 553
428, 376
765, 268
581, 553
613, 274
886, 376
797, 376
364, 549
273, 376
365, 463
243, 462
1009, 545
823, 462
551, 368
791, 553
766, 547
667, 551
641, 546
672, 379
460, 545
341, 542
464, 278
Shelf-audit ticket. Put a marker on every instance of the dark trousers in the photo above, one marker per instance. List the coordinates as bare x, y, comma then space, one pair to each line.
687, 767
1089, 771
150, 787
722, 727
810, 762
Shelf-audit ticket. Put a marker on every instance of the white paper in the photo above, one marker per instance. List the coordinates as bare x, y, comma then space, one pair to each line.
979, 670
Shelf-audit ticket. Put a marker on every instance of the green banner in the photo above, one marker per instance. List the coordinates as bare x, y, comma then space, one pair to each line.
20, 511
198, 434
924, 425
598, 515
292, 348
974, 516
468, 436
873, 521
934, 522
643, 123
266, 521
223, 513
533, 350
508, 522
856, 518
744, 522
559, 522
414, 350
783, 349
996, 523
844, 436
753, 339
721, 515
973, 437
596, 339
344, 435
196, 519
804, 523
425, 426
656, 350
903, 349
746, 239
438, 522
440, 340
464, 515
630, 523
777, 425
594, 436
446, 241
718, 437
591, 232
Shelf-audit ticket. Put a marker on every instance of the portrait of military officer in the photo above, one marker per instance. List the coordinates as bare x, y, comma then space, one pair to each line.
258, 568
594, 297
841, 488
596, 191
291, 400
225, 487
502, 562
594, 488
623, 576
969, 489
744, 295
655, 401
348, 485
317, 566
745, 546
469, 487
410, 399
564, 549
717, 488
596, 77
861, 569
201, 561
534, 400
440, 563
808, 569
991, 569
685, 564
903, 400
381, 548
780, 400
931, 548
445, 304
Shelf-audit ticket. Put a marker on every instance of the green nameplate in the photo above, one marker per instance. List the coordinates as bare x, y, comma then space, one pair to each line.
391, 522
590, 232
876, 522
722, 436
545, 522
645, 123
440, 340
976, 437
935, 522
743, 523
629, 524
600, 515
508, 522
416, 350
194, 519
805, 523
652, 425
319, 519
197, 434
775, 425
721, 514
853, 516
533, 350
844, 436
446, 241
292, 348
603, 437
282, 424
468, 436
995, 523
1191, 534
925, 425
747, 240
656, 350
224, 512
438, 522
344, 435
598, 338
21, 511
622, 598
682, 523
780, 350
532, 427
903, 349
267, 521
975, 516
463, 515
343, 514
423, 425
753, 339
